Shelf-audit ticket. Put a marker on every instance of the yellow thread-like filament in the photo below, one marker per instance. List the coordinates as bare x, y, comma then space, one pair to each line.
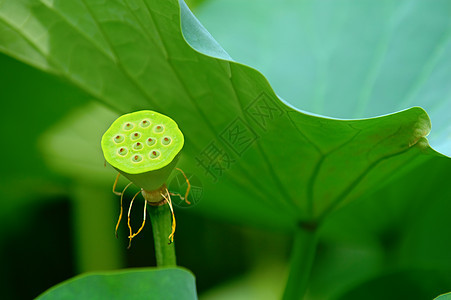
187, 190
143, 223
122, 196
115, 184
131, 236
168, 199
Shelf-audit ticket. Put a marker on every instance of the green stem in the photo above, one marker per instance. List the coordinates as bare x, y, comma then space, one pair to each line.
302, 256
161, 219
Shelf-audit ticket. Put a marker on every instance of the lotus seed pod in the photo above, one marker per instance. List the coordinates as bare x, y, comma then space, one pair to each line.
143, 146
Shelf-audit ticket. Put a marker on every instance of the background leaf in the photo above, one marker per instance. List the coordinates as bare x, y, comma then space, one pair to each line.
132, 56
444, 296
171, 283
342, 59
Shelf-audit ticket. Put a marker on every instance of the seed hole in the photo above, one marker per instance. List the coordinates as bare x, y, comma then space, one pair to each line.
128, 126
137, 146
144, 123
122, 151
118, 138
166, 140
158, 129
151, 141
154, 154
137, 158
135, 135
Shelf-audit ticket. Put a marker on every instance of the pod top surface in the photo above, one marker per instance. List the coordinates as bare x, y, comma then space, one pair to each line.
142, 141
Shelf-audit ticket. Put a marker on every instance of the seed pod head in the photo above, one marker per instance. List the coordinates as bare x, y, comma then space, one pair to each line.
143, 146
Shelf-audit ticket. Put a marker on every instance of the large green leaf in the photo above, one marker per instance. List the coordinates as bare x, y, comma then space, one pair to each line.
261, 160
446, 296
342, 59
171, 283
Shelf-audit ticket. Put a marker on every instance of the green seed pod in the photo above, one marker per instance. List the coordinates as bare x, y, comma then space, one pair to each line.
143, 146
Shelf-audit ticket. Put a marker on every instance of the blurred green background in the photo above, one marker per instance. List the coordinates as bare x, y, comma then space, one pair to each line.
56, 223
